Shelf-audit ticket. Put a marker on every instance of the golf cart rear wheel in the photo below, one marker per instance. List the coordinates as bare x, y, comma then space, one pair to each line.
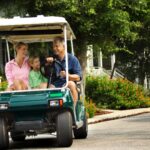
17, 136
64, 129
4, 139
82, 132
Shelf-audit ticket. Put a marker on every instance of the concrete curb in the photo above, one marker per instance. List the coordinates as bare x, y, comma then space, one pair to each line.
117, 114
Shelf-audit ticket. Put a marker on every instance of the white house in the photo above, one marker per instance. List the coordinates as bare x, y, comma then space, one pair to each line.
100, 70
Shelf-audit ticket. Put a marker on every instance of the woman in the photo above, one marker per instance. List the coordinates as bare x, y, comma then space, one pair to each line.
17, 70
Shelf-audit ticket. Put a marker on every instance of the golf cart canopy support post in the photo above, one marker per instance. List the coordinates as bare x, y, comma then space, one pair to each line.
66, 54
72, 48
8, 52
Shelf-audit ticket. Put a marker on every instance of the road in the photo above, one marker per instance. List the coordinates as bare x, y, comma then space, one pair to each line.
131, 133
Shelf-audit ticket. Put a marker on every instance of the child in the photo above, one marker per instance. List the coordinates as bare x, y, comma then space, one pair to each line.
36, 80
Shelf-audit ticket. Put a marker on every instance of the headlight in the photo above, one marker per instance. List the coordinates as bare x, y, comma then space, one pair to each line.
3, 106
56, 103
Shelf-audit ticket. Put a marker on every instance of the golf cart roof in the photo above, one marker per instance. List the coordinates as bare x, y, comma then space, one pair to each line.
34, 29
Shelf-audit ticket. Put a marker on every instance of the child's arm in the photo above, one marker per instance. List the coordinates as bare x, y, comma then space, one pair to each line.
31, 80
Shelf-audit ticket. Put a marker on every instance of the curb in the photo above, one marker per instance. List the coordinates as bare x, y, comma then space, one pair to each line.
117, 115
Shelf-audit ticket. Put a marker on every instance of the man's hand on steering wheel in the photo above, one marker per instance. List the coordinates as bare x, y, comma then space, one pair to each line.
49, 59
62, 74
48, 68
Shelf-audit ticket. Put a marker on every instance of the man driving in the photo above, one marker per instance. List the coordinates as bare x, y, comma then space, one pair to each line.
74, 68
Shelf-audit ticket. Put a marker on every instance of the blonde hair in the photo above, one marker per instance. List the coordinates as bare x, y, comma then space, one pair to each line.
31, 59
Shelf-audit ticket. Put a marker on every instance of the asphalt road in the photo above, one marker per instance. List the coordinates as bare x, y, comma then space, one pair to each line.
131, 133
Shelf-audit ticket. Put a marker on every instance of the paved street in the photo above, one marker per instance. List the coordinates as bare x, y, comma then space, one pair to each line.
132, 133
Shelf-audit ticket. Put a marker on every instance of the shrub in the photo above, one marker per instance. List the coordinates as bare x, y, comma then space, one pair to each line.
3, 86
115, 94
90, 108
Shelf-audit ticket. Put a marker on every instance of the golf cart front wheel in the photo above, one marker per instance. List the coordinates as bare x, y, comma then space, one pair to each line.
4, 139
64, 129
17, 136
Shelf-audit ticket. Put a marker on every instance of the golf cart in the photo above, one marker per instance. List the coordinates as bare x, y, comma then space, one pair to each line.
38, 111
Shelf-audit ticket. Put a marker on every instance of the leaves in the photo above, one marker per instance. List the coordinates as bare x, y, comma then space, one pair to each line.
116, 94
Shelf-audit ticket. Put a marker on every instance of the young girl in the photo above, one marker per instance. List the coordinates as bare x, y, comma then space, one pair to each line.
36, 80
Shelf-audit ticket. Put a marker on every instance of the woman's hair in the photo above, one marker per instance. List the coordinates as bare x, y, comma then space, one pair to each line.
19, 44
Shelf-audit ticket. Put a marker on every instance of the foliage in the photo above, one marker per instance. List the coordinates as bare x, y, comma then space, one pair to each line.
147, 93
94, 21
90, 108
115, 94
3, 85
139, 61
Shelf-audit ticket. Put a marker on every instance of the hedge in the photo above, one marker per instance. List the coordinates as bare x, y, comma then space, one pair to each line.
115, 94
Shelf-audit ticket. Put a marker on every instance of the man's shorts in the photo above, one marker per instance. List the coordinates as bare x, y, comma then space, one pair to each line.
59, 83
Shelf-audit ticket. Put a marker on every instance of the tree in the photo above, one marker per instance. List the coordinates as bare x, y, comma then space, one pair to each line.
112, 25
139, 60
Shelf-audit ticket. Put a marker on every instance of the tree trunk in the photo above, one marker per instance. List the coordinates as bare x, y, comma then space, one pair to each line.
141, 72
81, 49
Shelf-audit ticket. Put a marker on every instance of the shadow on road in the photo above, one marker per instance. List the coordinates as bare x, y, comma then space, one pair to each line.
39, 143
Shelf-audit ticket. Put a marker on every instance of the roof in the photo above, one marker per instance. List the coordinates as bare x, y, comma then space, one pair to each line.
33, 29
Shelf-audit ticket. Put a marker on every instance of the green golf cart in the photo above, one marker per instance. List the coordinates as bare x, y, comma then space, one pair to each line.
38, 111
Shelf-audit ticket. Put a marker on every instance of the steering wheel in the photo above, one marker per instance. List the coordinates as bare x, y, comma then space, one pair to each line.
48, 70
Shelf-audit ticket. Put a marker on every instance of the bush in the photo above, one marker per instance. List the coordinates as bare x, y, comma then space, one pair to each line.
3, 86
115, 94
90, 108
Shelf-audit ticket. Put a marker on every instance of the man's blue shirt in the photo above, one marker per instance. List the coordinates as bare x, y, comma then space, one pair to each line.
73, 68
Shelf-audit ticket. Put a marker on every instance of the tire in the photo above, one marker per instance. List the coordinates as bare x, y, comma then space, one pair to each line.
4, 139
82, 132
17, 136
64, 129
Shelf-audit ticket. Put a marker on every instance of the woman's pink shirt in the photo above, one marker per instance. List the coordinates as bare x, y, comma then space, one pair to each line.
14, 72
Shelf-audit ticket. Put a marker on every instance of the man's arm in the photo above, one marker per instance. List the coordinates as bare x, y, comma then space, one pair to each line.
72, 77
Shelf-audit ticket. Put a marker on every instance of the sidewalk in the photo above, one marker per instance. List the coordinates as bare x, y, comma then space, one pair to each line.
116, 114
